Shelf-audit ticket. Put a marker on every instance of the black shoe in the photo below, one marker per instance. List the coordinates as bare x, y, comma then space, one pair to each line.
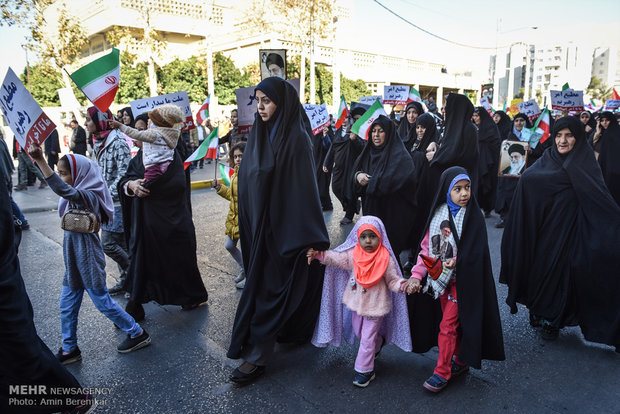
345, 221
116, 289
362, 380
241, 378
20, 188
25, 226
549, 332
487, 214
133, 344
457, 369
535, 322
500, 224
328, 208
70, 358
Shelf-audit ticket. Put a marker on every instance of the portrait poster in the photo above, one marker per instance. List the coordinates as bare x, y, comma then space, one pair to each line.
272, 63
513, 158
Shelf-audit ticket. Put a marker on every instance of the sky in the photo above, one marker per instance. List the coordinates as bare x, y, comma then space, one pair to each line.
473, 22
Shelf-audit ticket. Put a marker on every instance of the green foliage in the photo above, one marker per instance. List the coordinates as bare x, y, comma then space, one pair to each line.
324, 82
134, 80
597, 89
227, 78
184, 75
44, 84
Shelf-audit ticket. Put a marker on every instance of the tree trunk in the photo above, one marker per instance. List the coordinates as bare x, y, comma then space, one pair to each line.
302, 76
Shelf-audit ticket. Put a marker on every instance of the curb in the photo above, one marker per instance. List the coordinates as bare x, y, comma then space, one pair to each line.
199, 185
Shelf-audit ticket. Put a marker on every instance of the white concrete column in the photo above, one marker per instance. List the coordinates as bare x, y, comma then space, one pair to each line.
439, 97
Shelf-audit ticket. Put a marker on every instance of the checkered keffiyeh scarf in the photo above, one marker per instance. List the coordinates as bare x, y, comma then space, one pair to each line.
437, 287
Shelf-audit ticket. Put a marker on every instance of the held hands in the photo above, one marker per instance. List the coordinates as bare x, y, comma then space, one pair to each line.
363, 178
412, 285
114, 124
311, 255
450, 263
35, 152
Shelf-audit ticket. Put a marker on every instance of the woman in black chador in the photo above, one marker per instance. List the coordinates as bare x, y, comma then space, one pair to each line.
346, 147
280, 218
489, 143
504, 124
561, 242
406, 129
385, 180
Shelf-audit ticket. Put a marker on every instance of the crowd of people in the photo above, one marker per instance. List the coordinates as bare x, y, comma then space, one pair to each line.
415, 270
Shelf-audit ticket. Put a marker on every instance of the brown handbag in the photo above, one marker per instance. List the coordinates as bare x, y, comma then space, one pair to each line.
80, 221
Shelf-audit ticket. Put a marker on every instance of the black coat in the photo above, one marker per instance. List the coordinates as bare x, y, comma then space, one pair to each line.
26, 360
78, 141
280, 218
561, 242
161, 239
339, 160
479, 318
390, 193
52, 143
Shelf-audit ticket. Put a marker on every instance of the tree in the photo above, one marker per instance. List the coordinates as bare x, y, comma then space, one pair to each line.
44, 84
184, 75
227, 78
134, 80
597, 89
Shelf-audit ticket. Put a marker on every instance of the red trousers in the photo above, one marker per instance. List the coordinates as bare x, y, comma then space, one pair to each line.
449, 339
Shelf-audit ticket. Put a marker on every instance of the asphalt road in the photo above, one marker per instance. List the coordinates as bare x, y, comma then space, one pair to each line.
185, 370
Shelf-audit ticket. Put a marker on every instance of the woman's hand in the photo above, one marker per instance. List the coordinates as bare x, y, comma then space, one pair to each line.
216, 184
325, 170
430, 151
363, 178
352, 136
450, 263
136, 187
114, 124
35, 152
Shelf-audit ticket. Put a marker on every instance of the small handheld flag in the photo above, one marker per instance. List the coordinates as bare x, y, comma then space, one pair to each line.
362, 125
226, 172
208, 149
203, 112
343, 111
414, 96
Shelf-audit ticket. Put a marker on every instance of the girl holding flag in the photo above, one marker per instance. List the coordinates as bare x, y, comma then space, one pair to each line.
229, 192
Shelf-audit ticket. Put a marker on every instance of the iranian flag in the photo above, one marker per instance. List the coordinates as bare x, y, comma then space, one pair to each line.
414, 96
540, 132
208, 149
343, 111
226, 172
99, 79
362, 125
203, 112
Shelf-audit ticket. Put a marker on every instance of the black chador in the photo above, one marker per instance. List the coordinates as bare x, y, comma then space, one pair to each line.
390, 193
280, 218
561, 242
489, 144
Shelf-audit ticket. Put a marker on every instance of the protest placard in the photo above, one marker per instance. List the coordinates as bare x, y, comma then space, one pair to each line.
395, 94
23, 114
484, 102
612, 104
180, 99
513, 109
369, 100
567, 100
246, 108
318, 116
530, 108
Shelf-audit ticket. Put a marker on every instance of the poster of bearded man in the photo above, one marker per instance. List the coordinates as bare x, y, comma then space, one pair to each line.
513, 158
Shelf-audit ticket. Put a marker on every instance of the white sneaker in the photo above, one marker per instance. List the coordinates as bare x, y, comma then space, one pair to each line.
241, 284
240, 276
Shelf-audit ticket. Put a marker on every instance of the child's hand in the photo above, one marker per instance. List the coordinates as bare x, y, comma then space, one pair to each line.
114, 124
449, 263
216, 184
311, 255
412, 286
35, 152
